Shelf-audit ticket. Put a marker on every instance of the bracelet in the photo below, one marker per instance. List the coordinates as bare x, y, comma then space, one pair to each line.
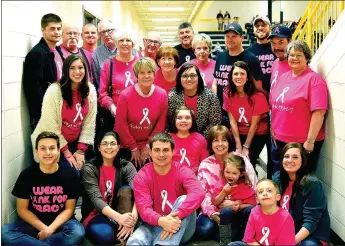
310, 141
246, 146
80, 152
67, 157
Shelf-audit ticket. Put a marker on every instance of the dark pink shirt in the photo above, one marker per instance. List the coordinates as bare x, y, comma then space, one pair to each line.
278, 68
192, 103
139, 117
123, 76
58, 62
162, 82
88, 54
243, 112
190, 151
274, 229
206, 71
155, 194
292, 102
286, 197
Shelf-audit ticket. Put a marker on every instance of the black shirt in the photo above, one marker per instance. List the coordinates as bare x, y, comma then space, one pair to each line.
185, 55
266, 57
219, 15
47, 193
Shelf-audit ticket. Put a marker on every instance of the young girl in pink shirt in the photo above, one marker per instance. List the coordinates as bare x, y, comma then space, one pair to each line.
268, 224
234, 197
190, 146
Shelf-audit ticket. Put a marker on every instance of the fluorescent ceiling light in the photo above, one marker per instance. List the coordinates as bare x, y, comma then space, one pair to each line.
166, 19
165, 27
166, 8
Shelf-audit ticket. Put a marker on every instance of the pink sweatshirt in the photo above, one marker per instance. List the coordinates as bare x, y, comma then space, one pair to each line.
206, 71
162, 82
140, 116
156, 194
123, 76
190, 151
292, 102
209, 174
274, 229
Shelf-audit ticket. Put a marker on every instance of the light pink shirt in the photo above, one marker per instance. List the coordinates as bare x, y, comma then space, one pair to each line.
58, 62
206, 71
292, 102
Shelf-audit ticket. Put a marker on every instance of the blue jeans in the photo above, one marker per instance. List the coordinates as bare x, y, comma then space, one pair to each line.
101, 230
149, 235
22, 233
206, 229
237, 220
310, 241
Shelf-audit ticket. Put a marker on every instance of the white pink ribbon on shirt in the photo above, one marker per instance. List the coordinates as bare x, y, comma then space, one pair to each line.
164, 195
203, 78
128, 78
183, 153
187, 58
265, 232
242, 111
79, 114
275, 79
108, 186
146, 116
282, 94
285, 201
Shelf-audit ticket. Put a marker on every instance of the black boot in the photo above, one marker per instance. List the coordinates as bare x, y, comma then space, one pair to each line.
224, 234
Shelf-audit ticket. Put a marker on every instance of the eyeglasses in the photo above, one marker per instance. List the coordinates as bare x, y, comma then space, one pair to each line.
154, 42
296, 56
191, 76
70, 34
106, 144
108, 31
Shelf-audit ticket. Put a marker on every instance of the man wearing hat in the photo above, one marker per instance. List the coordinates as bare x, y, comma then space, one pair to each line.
280, 38
226, 59
262, 49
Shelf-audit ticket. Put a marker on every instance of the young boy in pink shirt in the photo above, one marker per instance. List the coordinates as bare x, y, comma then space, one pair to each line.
166, 195
268, 224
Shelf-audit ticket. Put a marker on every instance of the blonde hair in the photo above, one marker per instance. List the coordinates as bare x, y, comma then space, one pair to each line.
238, 162
202, 38
144, 62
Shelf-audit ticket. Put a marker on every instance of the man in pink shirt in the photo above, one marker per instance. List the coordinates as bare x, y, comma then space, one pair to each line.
89, 36
166, 195
152, 42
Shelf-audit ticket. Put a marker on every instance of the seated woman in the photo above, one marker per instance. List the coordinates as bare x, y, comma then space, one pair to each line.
247, 108
303, 196
190, 146
141, 112
191, 92
166, 59
209, 174
107, 211
69, 110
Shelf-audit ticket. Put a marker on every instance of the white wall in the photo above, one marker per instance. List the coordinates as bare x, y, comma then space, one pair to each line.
21, 31
292, 10
329, 61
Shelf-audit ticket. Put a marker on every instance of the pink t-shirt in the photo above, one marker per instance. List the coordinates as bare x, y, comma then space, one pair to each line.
122, 77
190, 151
162, 82
242, 192
155, 194
285, 200
292, 102
274, 229
243, 112
278, 68
192, 103
139, 116
73, 118
66, 53
206, 71
58, 62
107, 180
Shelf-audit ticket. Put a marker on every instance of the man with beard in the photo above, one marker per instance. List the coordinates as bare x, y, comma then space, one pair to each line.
152, 42
90, 36
185, 51
42, 66
226, 59
262, 49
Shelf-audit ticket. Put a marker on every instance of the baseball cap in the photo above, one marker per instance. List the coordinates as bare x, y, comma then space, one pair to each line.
234, 27
281, 31
262, 18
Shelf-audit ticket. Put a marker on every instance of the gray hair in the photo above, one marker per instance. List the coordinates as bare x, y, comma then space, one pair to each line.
144, 62
123, 33
105, 22
202, 38
301, 46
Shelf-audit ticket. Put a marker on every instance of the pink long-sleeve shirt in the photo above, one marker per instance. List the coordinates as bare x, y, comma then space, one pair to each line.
155, 194
140, 116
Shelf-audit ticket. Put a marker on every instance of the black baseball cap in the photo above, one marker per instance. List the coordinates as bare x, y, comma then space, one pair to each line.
281, 32
234, 27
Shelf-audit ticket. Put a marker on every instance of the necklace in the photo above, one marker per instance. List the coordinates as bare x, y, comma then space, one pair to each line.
124, 60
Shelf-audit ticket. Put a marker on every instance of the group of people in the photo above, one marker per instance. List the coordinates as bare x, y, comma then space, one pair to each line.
223, 20
162, 144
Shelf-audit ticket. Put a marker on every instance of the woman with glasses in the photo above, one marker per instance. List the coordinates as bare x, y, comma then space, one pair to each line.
298, 104
120, 76
107, 211
69, 110
142, 112
247, 108
166, 59
191, 92
202, 45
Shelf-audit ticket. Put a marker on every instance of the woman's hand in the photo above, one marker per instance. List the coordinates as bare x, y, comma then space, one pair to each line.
126, 219
70, 158
125, 232
80, 159
136, 157
145, 155
245, 152
113, 110
309, 147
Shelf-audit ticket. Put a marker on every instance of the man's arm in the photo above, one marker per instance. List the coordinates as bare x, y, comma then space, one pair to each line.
28, 216
64, 215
